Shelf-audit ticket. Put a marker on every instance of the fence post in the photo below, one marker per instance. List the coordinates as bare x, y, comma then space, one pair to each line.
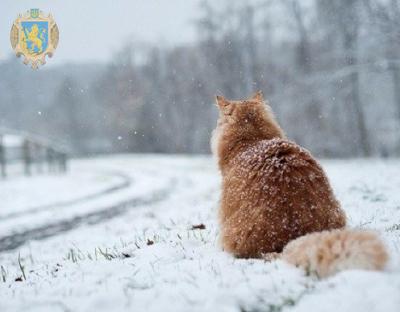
2, 158
39, 157
49, 156
27, 157
63, 162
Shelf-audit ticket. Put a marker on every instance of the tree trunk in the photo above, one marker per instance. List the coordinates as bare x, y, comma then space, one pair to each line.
351, 51
395, 71
303, 49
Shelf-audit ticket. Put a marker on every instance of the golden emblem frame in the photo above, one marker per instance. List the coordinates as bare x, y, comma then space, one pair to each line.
52, 40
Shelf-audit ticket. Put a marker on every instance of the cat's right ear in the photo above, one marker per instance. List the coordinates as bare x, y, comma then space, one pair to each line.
258, 96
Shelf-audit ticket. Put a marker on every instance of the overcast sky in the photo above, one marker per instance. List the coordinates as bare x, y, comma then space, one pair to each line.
91, 30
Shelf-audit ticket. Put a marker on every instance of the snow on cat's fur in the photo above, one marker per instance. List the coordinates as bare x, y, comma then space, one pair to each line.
274, 191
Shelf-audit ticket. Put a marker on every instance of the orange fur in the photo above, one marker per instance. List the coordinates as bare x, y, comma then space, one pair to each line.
274, 191
329, 252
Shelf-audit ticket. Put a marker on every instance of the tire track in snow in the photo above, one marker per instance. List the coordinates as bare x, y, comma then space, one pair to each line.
126, 182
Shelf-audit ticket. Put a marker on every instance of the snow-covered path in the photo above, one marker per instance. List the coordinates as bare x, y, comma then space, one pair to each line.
135, 247
92, 192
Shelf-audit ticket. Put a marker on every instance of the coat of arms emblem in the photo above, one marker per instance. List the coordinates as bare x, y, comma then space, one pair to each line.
34, 35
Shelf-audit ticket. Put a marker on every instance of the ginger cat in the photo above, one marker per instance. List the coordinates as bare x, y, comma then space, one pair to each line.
274, 191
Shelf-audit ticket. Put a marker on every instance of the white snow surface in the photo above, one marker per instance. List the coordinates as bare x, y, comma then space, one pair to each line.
148, 257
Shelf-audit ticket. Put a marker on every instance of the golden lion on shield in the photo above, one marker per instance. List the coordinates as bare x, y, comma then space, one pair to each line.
36, 37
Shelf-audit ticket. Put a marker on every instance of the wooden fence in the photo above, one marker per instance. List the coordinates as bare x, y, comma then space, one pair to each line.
34, 154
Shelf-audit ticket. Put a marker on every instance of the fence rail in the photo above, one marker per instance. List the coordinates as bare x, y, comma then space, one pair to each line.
34, 153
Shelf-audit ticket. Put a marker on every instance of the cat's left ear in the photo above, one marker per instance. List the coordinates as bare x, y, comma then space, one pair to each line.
258, 96
222, 103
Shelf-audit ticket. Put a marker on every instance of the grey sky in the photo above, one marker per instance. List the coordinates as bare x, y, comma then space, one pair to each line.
91, 30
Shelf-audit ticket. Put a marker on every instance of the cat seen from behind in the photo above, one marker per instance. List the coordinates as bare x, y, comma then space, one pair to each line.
274, 191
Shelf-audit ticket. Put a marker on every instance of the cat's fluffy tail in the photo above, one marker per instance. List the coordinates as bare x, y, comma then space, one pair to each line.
328, 252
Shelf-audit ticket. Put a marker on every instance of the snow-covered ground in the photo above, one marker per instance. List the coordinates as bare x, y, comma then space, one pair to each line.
116, 234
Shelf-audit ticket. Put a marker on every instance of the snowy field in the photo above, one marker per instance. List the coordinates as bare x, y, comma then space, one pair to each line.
139, 233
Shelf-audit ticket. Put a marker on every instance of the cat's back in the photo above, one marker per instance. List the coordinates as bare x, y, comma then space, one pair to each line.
279, 166
281, 182
268, 156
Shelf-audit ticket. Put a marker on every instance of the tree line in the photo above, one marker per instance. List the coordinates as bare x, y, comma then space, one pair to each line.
330, 69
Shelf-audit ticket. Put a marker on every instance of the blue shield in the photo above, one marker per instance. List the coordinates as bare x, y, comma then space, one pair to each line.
35, 36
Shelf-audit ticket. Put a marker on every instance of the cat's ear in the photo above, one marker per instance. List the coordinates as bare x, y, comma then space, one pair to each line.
258, 96
222, 103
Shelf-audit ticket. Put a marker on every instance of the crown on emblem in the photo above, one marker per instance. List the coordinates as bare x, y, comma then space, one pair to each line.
34, 13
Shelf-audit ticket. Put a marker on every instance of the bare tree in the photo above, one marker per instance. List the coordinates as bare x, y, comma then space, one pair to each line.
303, 49
386, 17
342, 17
